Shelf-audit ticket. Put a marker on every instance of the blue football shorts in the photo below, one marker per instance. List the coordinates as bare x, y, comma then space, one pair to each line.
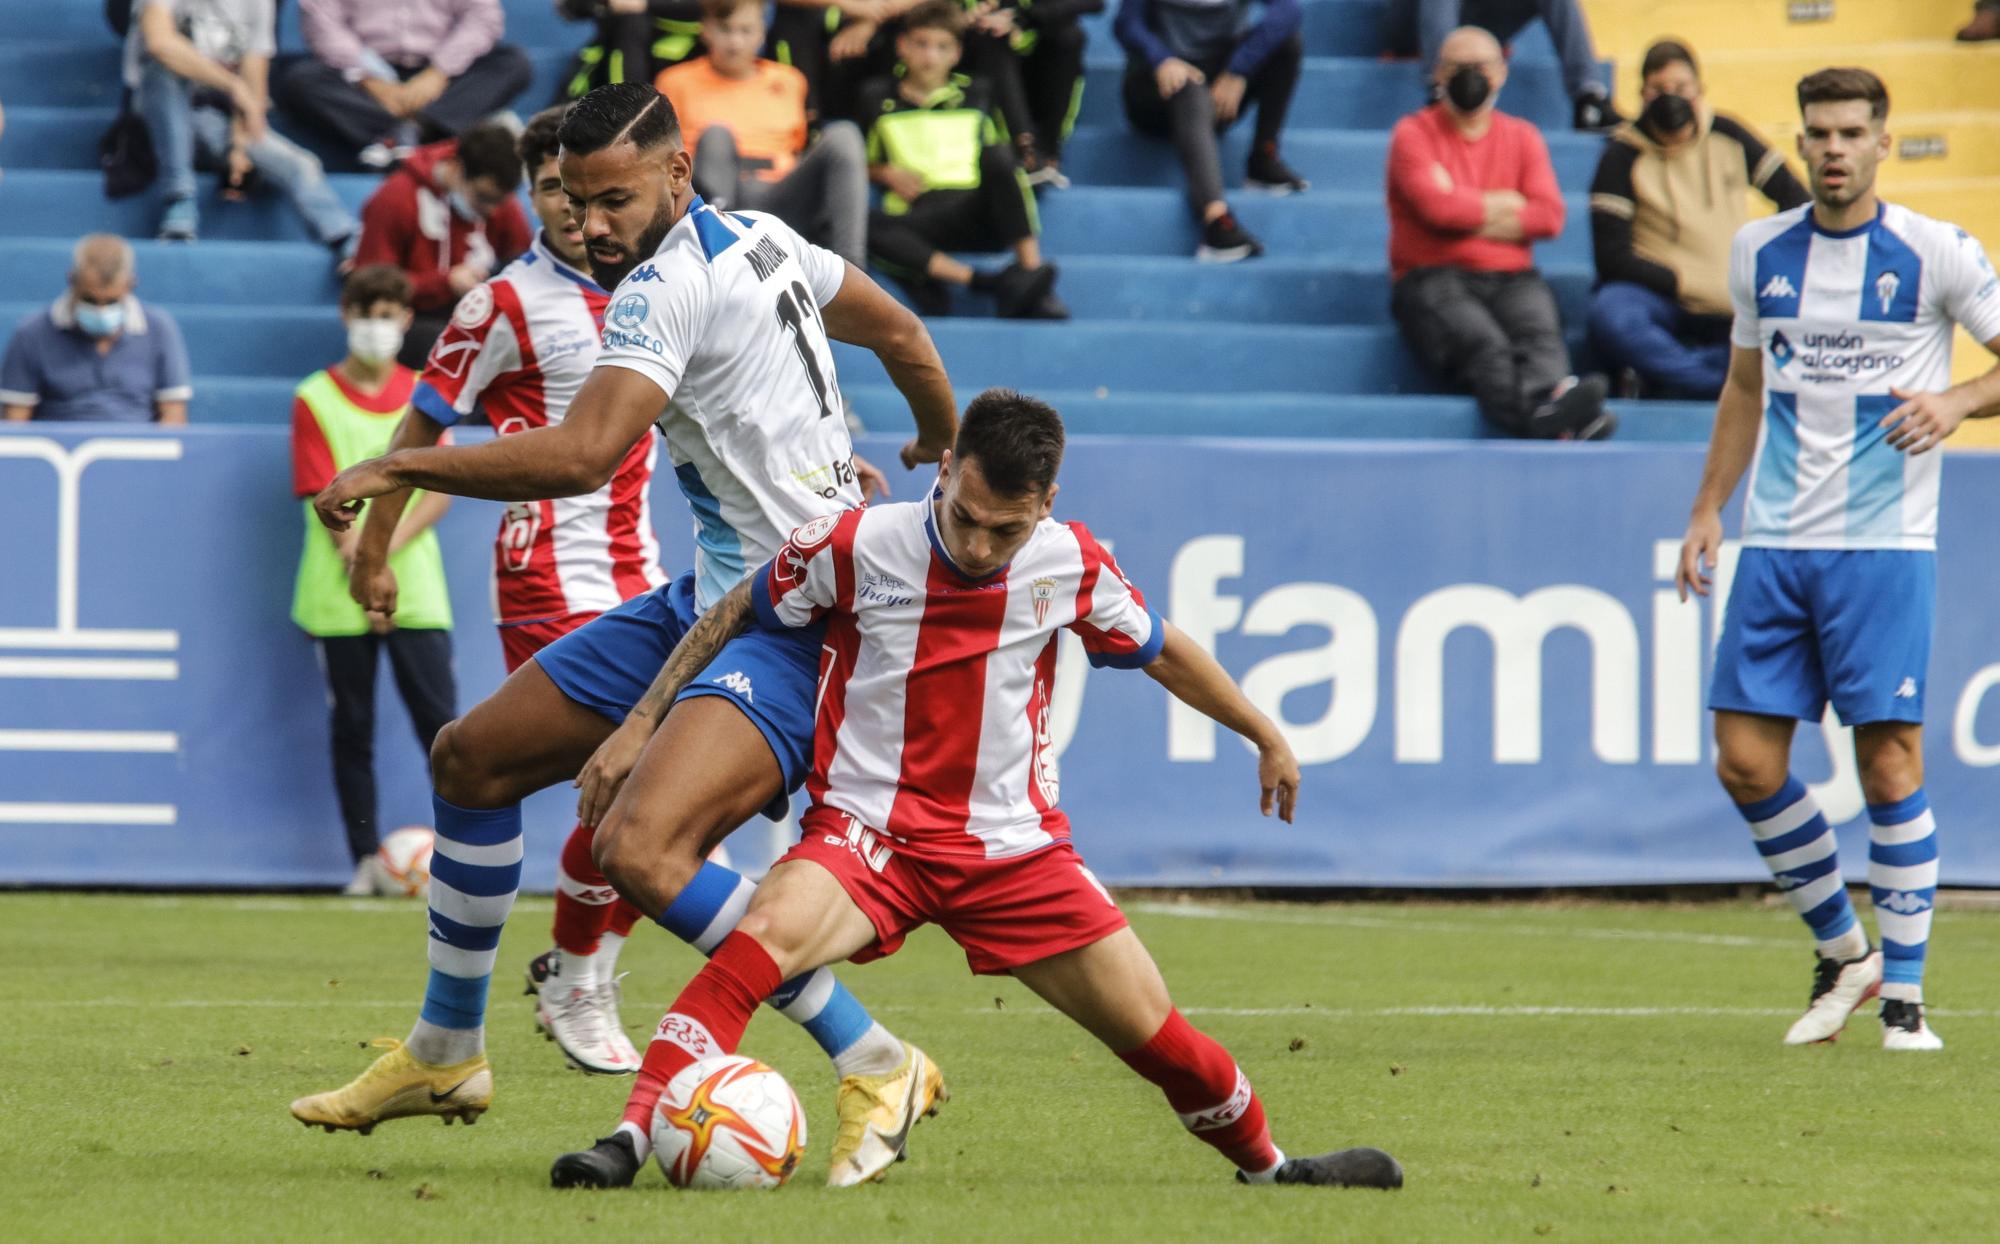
1805, 626
772, 676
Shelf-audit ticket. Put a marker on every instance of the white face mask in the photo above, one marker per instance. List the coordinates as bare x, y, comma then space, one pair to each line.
374, 341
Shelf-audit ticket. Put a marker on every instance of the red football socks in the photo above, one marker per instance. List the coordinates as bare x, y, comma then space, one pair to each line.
1208, 1090
708, 1018
586, 905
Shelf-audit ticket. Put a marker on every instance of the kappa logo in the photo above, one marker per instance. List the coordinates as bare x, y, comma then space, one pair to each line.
1779, 286
1044, 592
1785, 881
1886, 286
738, 682
1905, 902
1907, 690
643, 273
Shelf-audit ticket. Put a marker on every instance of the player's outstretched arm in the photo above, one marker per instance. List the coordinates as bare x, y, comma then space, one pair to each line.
862, 314
579, 455
369, 580
1197, 680
1925, 419
1729, 448
606, 770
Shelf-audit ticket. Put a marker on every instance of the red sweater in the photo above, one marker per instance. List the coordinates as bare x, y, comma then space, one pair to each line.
1437, 177
408, 222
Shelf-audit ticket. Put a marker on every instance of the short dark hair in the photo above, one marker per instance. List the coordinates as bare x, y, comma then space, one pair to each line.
1666, 52
945, 15
538, 142
1017, 440
628, 109
1833, 86
378, 282
487, 150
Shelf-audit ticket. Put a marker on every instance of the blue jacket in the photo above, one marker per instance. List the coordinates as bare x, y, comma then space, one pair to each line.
1205, 32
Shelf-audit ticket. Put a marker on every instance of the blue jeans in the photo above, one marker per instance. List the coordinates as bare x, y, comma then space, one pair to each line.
1683, 354
1504, 18
181, 129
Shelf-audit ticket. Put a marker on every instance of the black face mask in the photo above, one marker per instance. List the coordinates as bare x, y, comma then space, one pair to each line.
1468, 88
1666, 115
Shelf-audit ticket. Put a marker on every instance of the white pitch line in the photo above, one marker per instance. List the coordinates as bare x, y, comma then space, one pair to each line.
89, 741
1197, 911
162, 669
88, 814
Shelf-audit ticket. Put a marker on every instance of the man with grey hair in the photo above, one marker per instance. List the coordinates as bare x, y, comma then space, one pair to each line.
97, 353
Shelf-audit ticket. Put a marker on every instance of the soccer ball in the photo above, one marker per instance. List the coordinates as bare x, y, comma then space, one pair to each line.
403, 863
728, 1122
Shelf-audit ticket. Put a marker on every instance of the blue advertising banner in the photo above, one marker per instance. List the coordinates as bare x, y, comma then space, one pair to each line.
1475, 648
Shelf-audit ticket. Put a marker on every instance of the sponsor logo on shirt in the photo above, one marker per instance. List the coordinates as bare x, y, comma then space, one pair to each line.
629, 312
562, 343
613, 338
885, 589
1781, 350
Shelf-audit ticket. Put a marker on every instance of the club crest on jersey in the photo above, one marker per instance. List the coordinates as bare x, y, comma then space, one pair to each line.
1782, 352
1044, 592
1886, 286
815, 531
474, 307
629, 312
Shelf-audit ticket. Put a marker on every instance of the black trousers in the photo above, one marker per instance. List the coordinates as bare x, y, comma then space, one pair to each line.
1497, 333
421, 662
1034, 93
425, 328
800, 38
991, 216
1189, 117
634, 47
320, 96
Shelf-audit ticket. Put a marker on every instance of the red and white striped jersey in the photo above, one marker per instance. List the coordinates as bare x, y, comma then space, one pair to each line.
933, 717
518, 348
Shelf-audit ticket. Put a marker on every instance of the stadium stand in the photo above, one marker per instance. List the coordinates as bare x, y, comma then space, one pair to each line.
1298, 343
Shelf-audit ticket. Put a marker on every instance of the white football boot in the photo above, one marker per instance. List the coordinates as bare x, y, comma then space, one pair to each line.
1839, 986
1904, 1028
583, 1022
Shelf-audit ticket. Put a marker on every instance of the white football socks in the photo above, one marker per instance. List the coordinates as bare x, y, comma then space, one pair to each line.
876, 1052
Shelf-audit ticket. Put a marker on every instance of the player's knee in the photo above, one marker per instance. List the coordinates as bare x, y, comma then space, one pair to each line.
642, 858
1748, 778
1890, 772
456, 773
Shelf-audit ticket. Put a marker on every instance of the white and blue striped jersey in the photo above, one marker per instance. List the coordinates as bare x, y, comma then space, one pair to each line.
1841, 319
725, 318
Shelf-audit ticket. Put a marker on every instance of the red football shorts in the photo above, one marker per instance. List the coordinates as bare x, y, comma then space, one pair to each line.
1002, 913
521, 640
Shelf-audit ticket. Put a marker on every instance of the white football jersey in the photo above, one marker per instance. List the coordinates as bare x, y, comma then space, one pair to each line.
1841, 319
725, 319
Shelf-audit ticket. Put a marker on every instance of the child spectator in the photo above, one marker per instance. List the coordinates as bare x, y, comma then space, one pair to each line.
635, 40
340, 416
449, 219
949, 181
745, 120
1032, 53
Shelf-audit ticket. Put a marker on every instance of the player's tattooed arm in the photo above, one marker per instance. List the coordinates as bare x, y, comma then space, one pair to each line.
606, 770
1197, 680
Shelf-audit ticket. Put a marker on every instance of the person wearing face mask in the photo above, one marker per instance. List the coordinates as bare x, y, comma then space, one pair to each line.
342, 415
1419, 27
1669, 194
98, 353
1470, 190
449, 219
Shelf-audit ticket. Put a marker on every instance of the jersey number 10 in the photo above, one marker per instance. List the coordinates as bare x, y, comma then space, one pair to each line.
795, 310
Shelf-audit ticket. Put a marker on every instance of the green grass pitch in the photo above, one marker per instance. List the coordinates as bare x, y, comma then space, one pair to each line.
1584, 1071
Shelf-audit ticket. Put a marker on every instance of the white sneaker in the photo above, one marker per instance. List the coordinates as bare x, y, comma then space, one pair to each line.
1839, 986
583, 1022
1903, 1027
365, 879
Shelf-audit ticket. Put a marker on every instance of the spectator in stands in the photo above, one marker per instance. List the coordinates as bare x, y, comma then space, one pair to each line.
949, 182
98, 354
199, 71
1470, 189
1667, 200
1191, 66
449, 218
635, 40
340, 416
745, 120
1032, 53
1985, 23
839, 45
386, 75
1419, 27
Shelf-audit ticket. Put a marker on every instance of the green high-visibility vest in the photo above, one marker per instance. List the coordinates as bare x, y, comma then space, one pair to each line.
320, 603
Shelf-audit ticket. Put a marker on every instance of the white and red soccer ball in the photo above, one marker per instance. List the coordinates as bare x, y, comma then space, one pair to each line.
728, 1122
403, 863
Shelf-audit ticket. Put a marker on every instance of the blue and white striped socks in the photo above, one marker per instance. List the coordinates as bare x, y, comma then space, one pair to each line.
705, 913
1902, 879
1798, 846
475, 874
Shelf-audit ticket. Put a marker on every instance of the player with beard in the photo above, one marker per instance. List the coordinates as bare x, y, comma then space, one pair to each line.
718, 332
